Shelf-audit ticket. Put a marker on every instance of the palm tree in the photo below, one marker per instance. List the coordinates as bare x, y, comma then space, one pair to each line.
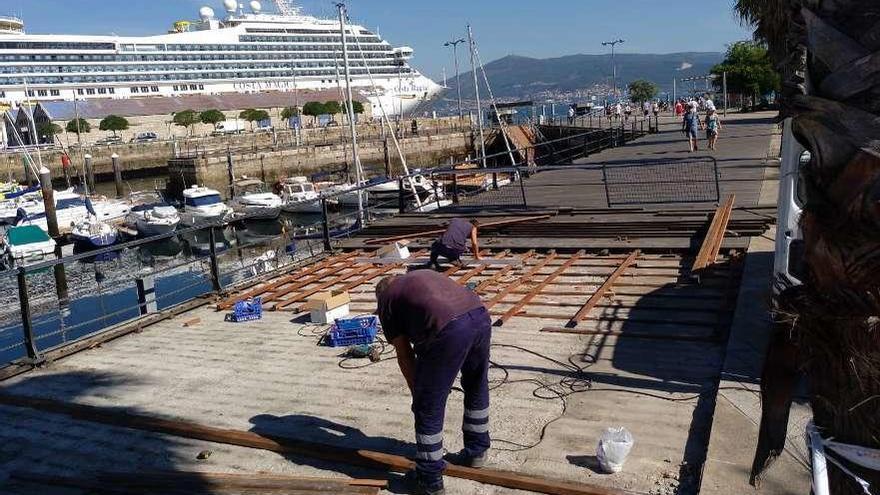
829, 327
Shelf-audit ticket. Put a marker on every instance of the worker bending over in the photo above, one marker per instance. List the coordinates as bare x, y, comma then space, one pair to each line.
438, 329
453, 243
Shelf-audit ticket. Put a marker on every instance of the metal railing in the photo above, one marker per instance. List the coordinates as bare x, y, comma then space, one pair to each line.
47, 298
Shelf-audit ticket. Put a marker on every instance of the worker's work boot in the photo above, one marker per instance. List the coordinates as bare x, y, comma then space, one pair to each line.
462, 458
426, 486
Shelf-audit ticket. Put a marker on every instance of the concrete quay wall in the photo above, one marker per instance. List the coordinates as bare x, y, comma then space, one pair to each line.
141, 159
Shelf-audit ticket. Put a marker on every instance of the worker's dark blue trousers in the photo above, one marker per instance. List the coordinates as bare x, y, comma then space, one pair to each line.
439, 249
463, 345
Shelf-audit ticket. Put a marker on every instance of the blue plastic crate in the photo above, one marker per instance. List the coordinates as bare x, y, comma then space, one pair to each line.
249, 310
353, 331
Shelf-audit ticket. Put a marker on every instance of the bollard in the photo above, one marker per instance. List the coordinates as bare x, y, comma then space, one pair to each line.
146, 294
90, 173
55, 233
230, 173
387, 156
325, 225
26, 322
117, 175
401, 200
215, 266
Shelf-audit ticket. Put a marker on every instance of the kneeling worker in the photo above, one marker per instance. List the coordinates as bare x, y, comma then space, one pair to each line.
439, 328
453, 243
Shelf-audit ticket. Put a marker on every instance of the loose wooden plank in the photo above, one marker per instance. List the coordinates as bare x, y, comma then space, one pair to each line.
602, 290
537, 290
426, 233
287, 445
714, 236
174, 482
473, 272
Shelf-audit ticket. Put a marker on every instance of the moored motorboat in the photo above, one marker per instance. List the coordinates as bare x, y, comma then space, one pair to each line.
300, 196
253, 200
27, 242
93, 232
150, 215
202, 205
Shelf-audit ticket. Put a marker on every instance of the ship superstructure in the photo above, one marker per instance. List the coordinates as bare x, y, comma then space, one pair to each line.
244, 52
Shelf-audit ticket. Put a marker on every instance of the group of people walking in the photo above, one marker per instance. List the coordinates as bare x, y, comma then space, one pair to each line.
692, 123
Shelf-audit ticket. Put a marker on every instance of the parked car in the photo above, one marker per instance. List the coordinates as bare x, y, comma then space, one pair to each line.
109, 140
145, 137
332, 123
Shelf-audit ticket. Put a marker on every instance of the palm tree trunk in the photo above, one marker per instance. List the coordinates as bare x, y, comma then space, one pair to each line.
833, 321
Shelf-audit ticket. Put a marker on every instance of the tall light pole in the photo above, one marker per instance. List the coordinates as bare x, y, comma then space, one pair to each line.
613, 43
454, 45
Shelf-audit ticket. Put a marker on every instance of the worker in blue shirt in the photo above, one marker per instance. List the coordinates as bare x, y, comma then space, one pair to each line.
439, 329
454, 242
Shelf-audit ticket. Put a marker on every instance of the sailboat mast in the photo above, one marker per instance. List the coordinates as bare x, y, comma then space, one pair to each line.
477, 92
349, 103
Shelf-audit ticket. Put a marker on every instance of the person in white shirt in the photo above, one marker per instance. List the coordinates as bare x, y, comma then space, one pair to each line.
617, 110
709, 104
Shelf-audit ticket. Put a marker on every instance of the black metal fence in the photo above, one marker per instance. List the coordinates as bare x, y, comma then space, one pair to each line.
662, 181
49, 305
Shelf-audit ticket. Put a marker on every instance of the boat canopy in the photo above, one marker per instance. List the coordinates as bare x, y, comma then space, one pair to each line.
26, 234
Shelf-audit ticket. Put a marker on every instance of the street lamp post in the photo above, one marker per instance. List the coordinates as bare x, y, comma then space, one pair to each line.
613, 43
454, 45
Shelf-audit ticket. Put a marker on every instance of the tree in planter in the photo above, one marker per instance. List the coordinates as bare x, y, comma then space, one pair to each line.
47, 131
828, 328
642, 90
212, 117
357, 106
252, 115
77, 126
288, 113
187, 119
114, 124
332, 108
313, 109
749, 69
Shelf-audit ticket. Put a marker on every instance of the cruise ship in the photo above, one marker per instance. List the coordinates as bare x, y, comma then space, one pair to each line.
246, 51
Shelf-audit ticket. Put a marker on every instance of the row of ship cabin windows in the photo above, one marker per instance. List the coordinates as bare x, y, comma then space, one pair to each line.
281, 52
178, 76
33, 69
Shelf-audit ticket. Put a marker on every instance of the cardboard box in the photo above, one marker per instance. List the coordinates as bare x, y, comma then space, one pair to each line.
325, 307
394, 251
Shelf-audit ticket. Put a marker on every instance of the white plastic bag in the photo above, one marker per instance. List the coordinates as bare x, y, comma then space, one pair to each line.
614, 445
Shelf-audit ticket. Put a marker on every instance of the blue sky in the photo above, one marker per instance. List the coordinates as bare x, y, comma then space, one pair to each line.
535, 28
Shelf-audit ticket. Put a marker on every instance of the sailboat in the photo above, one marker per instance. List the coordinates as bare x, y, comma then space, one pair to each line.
92, 230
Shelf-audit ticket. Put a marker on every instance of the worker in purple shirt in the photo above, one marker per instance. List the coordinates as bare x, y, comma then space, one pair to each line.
453, 243
439, 329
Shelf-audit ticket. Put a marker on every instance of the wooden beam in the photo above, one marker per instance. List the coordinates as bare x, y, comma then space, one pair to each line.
318, 288
277, 294
597, 296
632, 335
473, 272
174, 482
426, 233
714, 236
501, 273
537, 290
278, 282
524, 278
287, 445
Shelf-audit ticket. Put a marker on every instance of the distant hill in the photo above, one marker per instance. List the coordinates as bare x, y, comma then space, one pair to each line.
520, 77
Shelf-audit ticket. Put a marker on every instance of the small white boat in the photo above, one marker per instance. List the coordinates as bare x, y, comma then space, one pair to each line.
253, 200
93, 232
150, 214
69, 209
27, 242
109, 210
202, 205
300, 196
